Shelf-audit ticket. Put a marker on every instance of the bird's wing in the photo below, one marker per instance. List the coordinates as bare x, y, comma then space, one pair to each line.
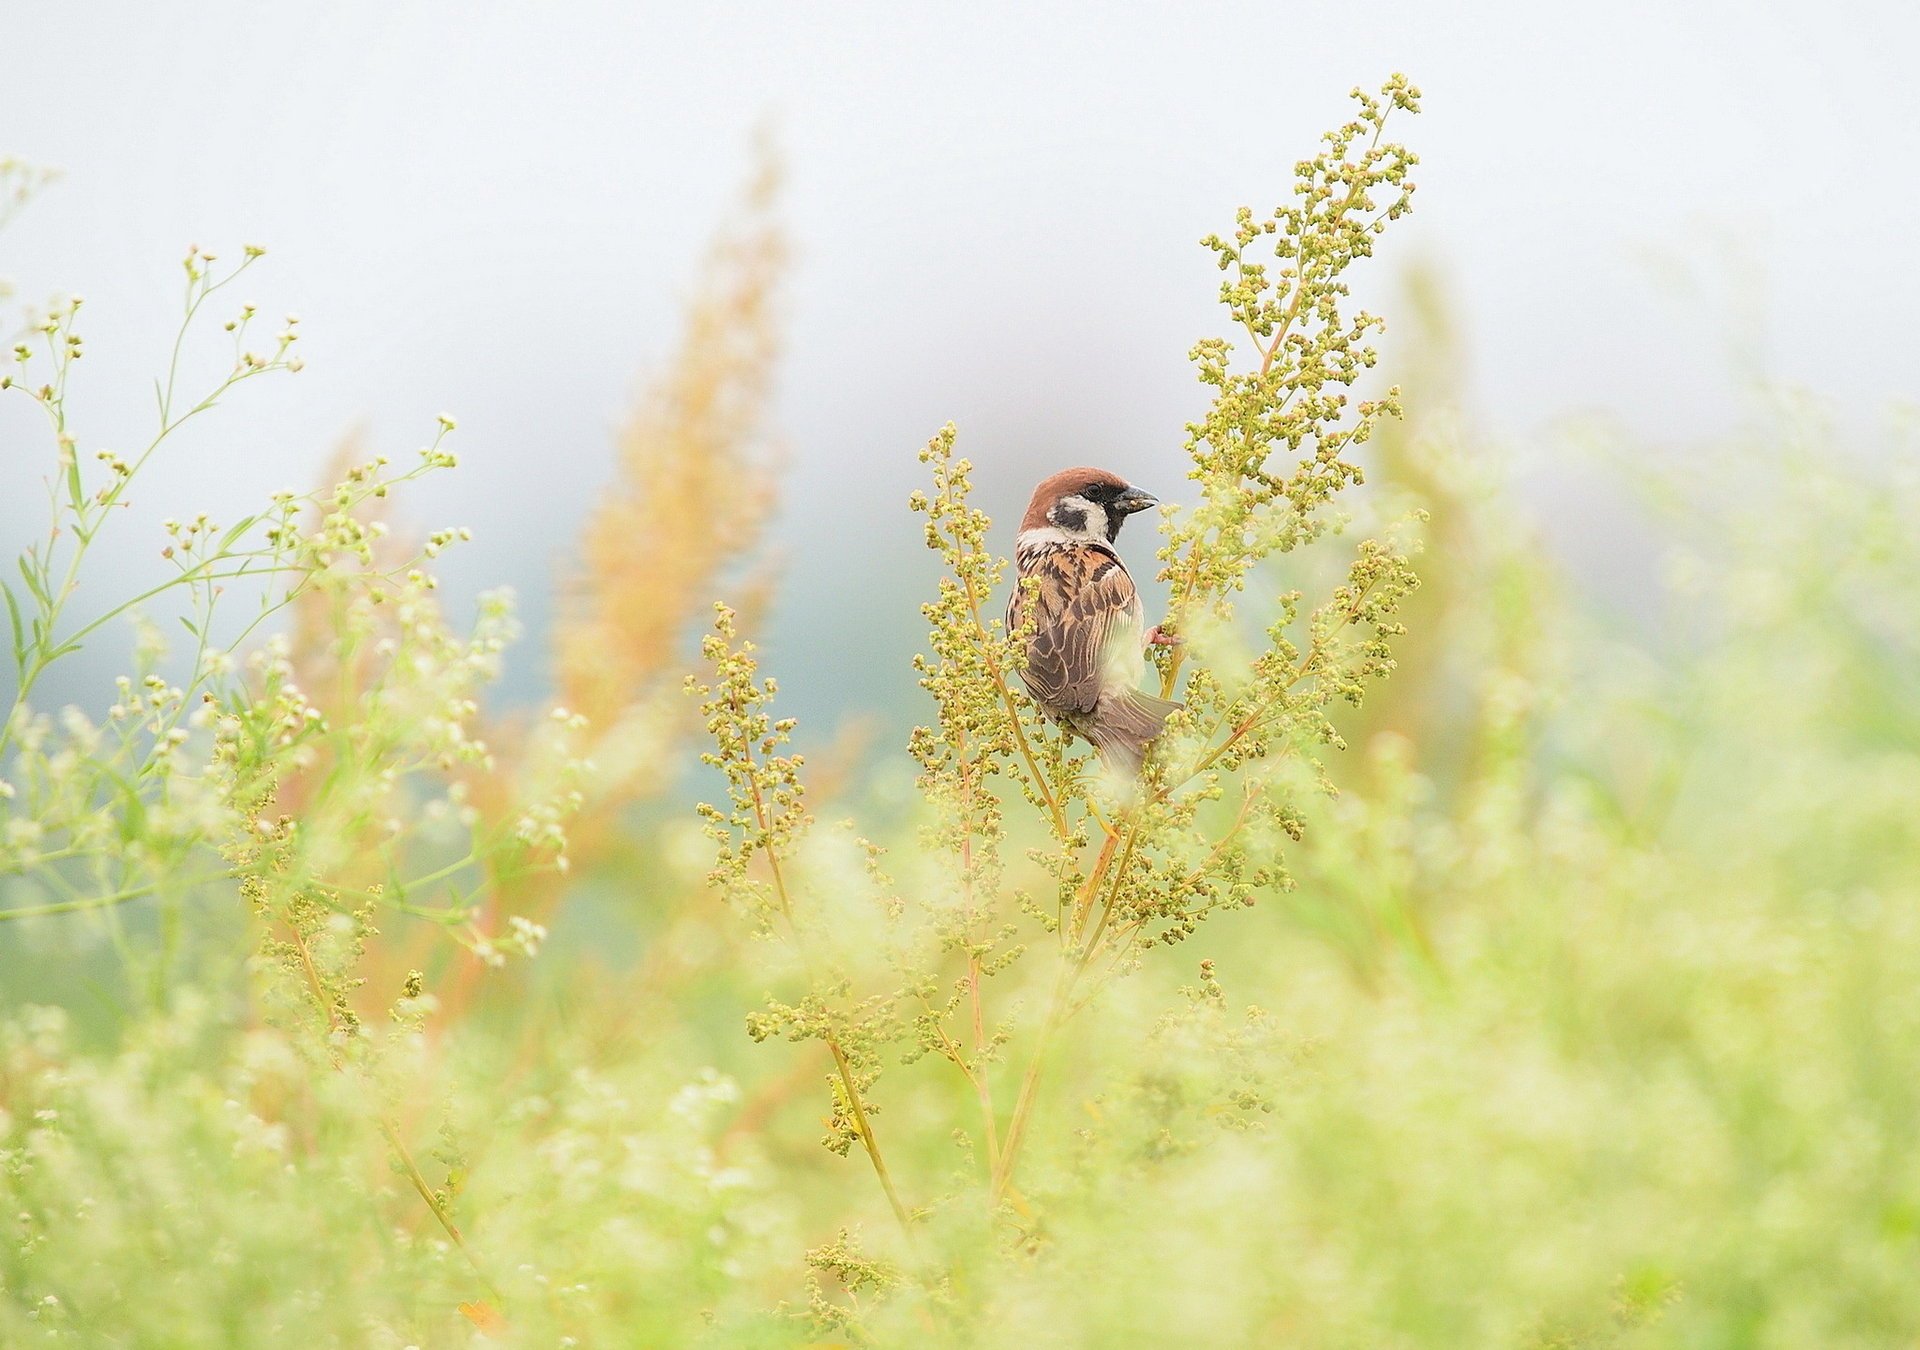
1088, 632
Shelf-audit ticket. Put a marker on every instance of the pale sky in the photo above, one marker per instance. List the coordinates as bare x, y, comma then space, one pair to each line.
493, 210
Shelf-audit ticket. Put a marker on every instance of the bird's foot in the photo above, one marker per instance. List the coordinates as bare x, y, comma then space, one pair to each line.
1159, 637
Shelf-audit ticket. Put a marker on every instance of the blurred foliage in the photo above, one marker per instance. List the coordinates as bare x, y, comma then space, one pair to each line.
695, 485
1587, 1022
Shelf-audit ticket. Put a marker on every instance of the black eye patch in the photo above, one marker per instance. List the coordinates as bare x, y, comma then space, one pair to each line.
1103, 493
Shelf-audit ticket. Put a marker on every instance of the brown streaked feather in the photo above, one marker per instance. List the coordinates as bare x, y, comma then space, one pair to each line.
1088, 627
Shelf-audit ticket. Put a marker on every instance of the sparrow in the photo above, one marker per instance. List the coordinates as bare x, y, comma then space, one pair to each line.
1085, 656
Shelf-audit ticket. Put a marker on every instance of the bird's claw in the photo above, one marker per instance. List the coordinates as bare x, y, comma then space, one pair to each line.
1161, 638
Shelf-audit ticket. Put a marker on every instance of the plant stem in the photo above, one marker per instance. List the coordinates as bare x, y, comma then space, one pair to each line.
387, 1126
1023, 1104
412, 1171
866, 1136
1067, 977
848, 1081
982, 1089
90, 902
977, 1075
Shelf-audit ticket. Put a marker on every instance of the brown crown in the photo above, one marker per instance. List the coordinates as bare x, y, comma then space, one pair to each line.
1066, 483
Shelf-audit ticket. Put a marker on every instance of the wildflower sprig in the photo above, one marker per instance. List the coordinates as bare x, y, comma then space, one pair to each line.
167, 764
856, 1273
1273, 448
93, 816
313, 944
765, 820
768, 812
695, 484
322, 773
189, 758
984, 730
1268, 457
1206, 827
49, 569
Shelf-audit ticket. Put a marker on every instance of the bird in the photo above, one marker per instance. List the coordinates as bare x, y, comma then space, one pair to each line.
1085, 653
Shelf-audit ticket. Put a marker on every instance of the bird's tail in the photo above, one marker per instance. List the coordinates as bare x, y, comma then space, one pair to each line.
1124, 724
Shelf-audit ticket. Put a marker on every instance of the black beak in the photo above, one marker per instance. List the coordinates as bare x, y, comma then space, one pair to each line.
1133, 499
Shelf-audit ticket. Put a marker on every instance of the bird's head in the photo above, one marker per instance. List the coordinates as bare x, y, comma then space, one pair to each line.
1084, 504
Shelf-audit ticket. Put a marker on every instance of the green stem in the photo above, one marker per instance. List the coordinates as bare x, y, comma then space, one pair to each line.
764, 817
96, 901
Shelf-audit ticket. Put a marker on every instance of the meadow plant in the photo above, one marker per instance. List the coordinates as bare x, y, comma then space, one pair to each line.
1112, 874
222, 779
695, 483
184, 770
1583, 1015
